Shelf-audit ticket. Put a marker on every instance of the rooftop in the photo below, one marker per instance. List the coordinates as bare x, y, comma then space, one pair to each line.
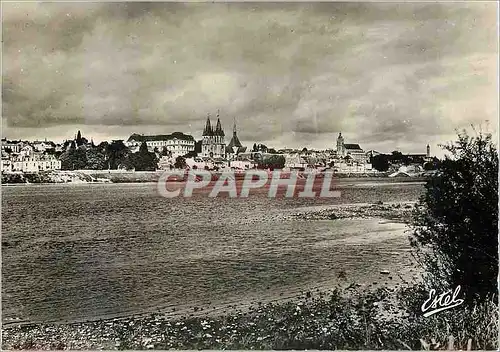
160, 137
352, 146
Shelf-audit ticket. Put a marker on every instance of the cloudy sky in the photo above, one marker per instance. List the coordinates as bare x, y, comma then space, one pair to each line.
389, 76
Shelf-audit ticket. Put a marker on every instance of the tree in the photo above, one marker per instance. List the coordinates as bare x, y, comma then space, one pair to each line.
180, 163
432, 165
165, 152
191, 154
254, 148
116, 154
197, 146
380, 162
74, 158
143, 160
399, 158
272, 162
396, 155
95, 159
456, 220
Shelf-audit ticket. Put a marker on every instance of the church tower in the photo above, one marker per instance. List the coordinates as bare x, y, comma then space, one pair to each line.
220, 144
340, 145
428, 151
235, 147
207, 140
213, 144
208, 132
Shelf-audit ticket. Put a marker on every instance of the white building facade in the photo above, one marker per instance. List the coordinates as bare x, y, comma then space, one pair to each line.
12, 146
36, 164
179, 144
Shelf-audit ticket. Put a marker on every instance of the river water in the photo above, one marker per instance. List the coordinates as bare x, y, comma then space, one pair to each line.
90, 251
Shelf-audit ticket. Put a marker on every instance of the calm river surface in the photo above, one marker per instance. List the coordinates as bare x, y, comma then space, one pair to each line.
82, 252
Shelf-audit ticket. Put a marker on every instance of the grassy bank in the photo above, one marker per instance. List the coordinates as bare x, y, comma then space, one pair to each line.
337, 320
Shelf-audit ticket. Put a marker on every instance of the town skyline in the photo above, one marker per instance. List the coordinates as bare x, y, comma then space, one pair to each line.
436, 148
293, 75
247, 144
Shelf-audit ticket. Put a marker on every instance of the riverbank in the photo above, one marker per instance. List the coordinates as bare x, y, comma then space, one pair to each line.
51, 177
317, 316
339, 319
123, 176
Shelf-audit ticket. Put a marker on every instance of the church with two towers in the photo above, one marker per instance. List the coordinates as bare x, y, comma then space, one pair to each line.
213, 143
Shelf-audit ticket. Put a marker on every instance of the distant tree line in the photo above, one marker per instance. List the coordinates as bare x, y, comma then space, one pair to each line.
382, 162
263, 148
112, 156
271, 162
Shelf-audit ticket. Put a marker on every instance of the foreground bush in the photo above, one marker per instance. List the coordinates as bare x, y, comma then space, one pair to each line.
456, 222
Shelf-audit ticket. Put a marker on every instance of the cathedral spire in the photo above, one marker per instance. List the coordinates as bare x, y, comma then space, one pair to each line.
208, 131
235, 147
218, 128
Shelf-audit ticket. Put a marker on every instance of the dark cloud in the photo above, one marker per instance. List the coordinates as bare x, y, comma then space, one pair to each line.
290, 73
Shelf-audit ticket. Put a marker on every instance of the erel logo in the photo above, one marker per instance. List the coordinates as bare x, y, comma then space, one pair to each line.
435, 304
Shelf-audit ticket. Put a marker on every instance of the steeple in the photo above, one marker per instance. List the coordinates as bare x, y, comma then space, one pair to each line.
218, 128
79, 139
208, 131
235, 141
340, 145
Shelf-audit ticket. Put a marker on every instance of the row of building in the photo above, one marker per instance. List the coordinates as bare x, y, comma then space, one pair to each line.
25, 156
209, 152
211, 146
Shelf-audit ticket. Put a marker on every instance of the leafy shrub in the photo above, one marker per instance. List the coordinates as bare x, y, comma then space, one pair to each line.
456, 221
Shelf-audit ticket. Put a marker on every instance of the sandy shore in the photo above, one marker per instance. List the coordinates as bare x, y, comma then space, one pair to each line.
394, 211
